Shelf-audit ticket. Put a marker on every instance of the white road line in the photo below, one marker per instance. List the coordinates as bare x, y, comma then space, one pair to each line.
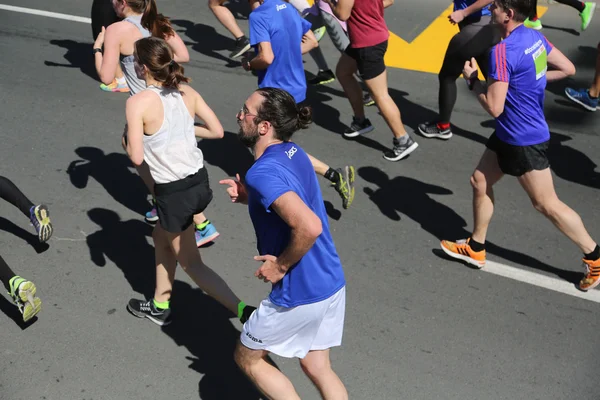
543, 281
45, 13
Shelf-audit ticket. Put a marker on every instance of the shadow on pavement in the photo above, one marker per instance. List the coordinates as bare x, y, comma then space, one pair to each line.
79, 55
227, 153
203, 326
570, 164
402, 195
570, 31
207, 41
11, 311
29, 237
125, 243
115, 173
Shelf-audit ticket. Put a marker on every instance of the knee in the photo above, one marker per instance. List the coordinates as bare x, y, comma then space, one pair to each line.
315, 368
478, 183
242, 361
548, 207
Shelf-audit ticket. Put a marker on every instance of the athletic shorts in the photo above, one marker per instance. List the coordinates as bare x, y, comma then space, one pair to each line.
177, 202
293, 332
517, 160
103, 15
369, 59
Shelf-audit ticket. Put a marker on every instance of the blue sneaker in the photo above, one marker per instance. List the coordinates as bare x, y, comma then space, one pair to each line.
152, 215
40, 218
582, 97
207, 234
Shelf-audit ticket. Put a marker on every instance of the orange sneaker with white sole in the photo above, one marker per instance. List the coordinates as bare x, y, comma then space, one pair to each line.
592, 275
461, 250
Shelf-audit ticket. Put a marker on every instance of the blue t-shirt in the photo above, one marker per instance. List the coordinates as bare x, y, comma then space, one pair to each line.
279, 23
462, 4
521, 60
318, 275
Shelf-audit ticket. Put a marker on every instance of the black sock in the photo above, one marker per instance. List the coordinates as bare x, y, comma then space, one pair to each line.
591, 97
476, 246
332, 175
594, 255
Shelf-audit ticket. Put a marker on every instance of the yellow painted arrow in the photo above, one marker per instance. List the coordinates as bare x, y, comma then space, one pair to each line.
426, 52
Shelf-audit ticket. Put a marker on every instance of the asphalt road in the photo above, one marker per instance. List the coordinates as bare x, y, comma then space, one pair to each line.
417, 326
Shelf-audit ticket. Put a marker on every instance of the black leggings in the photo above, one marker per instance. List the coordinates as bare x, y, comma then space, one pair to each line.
11, 193
475, 39
578, 5
103, 14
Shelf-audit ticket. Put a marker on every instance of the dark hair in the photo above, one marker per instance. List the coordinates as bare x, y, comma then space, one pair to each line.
157, 24
157, 56
280, 109
523, 9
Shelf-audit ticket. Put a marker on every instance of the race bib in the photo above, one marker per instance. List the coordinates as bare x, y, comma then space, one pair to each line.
540, 59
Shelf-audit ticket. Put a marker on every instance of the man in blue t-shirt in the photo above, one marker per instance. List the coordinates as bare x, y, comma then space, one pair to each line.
518, 72
280, 37
303, 316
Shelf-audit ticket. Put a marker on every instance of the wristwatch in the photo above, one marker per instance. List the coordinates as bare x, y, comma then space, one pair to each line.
97, 50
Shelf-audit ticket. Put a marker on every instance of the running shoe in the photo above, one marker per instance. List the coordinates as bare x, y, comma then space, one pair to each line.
433, 130
23, 293
146, 309
400, 151
319, 33
242, 45
592, 275
323, 78
582, 97
206, 234
358, 127
152, 215
461, 250
368, 100
115, 86
40, 218
537, 24
345, 185
587, 14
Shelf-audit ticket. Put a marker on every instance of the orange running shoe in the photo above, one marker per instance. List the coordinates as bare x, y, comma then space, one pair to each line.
461, 250
592, 275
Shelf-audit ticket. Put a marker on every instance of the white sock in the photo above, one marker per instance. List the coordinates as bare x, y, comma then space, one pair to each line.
121, 80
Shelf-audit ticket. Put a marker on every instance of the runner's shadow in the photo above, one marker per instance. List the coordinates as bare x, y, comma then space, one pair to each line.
203, 326
125, 243
570, 31
208, 41
10, 310
79, 55
30, 238
114, 172
227, 153
570, 164
436, 218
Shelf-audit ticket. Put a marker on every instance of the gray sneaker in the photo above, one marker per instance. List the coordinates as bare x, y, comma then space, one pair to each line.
400, 150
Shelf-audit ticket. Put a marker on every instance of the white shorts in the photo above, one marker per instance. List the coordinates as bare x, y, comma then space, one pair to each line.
293, 332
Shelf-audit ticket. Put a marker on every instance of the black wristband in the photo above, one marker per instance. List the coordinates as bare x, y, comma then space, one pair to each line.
97, 50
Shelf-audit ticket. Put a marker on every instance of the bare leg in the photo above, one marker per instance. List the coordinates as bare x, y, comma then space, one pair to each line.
166, 264
317, 366
595, 89
483, 179
268, 379
345, 70
225, 17
389, 110
540, 188
320, 167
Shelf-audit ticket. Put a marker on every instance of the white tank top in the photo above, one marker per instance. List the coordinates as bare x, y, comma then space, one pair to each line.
172, 153
135, 84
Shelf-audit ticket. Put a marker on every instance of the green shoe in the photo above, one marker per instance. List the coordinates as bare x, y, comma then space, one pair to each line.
23, 293
345, 185
587, 14
537, 24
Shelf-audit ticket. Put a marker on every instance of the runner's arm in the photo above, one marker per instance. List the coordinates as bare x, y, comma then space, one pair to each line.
562, 67
341, 9
106, 62
309, 42
492, 100
181, 53
387, 3
212, 128
134, 112
264, 58
305, 227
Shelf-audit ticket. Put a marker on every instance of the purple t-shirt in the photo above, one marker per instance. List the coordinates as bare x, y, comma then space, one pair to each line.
521, 60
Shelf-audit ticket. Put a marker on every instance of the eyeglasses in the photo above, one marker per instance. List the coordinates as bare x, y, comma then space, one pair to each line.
245, 112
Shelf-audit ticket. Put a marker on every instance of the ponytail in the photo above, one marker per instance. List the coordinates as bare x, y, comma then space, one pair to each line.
157, 56
157, 24
175, 75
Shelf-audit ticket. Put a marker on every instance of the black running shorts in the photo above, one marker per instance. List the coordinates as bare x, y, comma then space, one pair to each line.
103, 15
517, 160
369, 59
177, 202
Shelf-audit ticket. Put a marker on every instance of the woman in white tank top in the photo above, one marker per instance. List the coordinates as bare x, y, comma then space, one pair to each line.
161, 132
141, 19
